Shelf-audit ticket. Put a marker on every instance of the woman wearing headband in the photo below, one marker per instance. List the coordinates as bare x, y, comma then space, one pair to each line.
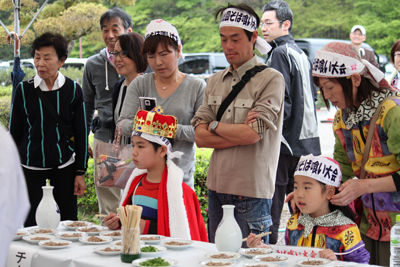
356, 88
170, 207
179, 94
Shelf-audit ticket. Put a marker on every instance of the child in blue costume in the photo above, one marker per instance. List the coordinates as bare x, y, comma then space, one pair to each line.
320, 224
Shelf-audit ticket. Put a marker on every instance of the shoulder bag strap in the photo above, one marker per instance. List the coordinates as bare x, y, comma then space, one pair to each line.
53, 113
371, 131
237, 88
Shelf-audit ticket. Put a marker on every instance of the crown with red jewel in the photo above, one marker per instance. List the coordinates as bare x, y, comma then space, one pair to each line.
153, 122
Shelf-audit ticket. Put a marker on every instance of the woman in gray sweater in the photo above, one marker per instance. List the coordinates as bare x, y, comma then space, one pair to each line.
178, 94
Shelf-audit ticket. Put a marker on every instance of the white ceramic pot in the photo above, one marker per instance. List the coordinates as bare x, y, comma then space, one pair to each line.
228, 236
48, 213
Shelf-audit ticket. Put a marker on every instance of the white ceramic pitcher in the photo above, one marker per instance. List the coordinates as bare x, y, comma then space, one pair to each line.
48, 213
228, 236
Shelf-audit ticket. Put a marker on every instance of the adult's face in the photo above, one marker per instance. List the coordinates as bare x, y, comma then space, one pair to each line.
164, 62
357, 38
333, 92
397, 60
47, 63
122, 62
111, 29
272, 28
236, 45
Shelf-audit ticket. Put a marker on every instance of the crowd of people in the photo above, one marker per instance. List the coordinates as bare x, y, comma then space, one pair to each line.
259, 118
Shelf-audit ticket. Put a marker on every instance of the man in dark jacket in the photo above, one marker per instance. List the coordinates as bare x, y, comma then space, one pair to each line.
300, 127
357, 37
99, 78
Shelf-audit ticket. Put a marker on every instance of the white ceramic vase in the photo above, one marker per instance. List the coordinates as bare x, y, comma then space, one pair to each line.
228, 236
48, 213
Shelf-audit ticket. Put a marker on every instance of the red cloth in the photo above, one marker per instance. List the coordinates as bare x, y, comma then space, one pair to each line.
192, 206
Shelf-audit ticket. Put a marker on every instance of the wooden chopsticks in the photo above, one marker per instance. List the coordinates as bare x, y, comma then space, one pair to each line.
259, 235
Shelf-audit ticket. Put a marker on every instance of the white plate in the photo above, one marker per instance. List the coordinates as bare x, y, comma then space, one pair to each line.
100, 228
118, 243
153, 254
277, 256
67, 224
157, 239
232, 255
231, 263
188, 243
256, 251
261, 264
105, 238
107, 233
138, 261
324, 262
59, 235
29, 238
101, 251
20, 233
36, 231
43, 243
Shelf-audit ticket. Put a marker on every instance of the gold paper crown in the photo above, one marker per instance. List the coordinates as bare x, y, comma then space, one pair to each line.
153, 122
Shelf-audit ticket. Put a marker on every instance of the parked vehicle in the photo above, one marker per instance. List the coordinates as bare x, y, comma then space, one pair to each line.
4, 65
69, 62
311, 45
204, 65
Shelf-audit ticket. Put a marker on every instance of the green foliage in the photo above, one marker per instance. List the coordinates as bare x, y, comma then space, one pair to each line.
5, 104
200, 176
5, 90
88, 206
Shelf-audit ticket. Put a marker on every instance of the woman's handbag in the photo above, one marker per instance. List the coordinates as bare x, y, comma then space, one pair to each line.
113, 162
357, 205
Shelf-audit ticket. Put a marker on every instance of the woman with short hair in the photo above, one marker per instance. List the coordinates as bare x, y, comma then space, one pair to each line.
129, 62
177, 93
47, 151
395, 59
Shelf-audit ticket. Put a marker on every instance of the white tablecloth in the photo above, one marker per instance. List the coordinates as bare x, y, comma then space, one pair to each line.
81, 255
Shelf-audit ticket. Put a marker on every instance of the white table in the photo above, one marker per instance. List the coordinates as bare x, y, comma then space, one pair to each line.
81, 255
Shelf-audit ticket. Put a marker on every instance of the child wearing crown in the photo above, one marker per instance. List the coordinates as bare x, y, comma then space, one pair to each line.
319, 223
170, 207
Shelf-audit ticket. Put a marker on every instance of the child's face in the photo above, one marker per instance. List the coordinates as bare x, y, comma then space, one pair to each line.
310, 197
144, 155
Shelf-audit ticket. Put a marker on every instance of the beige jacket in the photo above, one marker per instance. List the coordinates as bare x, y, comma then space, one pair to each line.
248, 170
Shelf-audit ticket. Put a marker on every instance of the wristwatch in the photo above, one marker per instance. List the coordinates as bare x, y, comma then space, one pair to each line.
214, 126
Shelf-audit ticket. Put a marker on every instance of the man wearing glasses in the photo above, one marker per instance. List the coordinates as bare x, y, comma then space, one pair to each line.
357, 37
300, 127
99, 78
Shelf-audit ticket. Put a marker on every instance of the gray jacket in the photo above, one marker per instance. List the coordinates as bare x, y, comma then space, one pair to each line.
99, 78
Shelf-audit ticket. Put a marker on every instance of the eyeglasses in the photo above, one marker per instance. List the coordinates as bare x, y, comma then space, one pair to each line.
269, 23
121, 54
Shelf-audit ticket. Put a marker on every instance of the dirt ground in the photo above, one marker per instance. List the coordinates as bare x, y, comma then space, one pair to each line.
284, 218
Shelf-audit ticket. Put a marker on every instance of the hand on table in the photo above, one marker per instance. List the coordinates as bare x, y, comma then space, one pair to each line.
112, 221
79, 185
255, 242
328, 254
348, 191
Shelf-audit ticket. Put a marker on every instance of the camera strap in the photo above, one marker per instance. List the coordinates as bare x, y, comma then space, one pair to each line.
237, 88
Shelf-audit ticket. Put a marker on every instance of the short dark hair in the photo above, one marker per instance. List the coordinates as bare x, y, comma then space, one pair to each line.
243, 7
156, 145
283, 12
364, 91
132, 42
151, 43
116, 13
395, 48
49, 39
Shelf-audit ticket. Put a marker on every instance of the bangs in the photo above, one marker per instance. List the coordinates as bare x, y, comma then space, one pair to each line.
151, 43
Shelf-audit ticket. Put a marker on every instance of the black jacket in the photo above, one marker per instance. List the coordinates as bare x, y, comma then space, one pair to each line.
300, 127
